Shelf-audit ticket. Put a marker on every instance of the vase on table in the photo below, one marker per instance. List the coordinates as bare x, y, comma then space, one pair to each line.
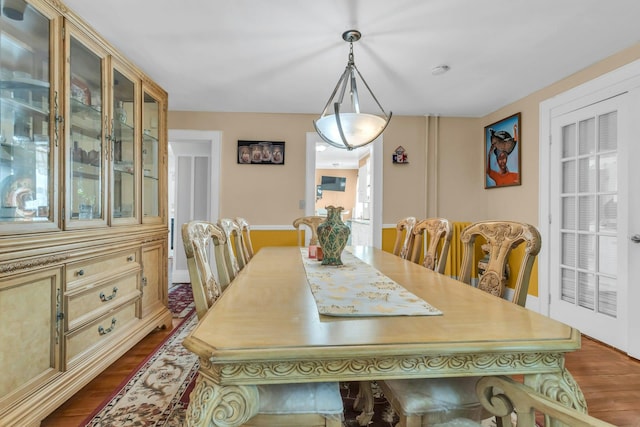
332, 236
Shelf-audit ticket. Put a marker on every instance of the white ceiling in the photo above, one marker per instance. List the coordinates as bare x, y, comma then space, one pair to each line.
285, 56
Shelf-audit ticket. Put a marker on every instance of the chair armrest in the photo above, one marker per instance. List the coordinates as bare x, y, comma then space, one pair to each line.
503, 396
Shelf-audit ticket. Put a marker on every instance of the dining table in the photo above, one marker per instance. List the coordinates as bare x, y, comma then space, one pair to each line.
267, 328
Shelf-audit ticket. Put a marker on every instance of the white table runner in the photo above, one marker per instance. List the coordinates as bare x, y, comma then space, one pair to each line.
358, 289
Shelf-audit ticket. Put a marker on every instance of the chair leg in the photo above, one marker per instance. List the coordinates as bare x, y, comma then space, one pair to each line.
364, 401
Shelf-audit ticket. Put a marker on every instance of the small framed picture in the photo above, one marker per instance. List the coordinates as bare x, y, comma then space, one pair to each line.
260, 152
502, 148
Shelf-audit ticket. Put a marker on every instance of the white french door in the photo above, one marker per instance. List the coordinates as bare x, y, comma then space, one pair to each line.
590, 266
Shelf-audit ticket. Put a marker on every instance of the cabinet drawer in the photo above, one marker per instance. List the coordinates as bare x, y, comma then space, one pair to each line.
92, 301
89, 271
100, 331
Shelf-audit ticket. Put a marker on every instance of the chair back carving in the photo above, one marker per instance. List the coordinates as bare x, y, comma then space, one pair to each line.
245, 237
501, 237
312, 222
234, 256
404, 237
506, 399
197, 237
438, 234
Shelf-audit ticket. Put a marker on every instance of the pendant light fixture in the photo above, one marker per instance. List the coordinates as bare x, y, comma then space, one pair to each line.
342, 124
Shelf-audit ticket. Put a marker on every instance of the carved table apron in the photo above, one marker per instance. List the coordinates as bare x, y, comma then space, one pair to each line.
265, 329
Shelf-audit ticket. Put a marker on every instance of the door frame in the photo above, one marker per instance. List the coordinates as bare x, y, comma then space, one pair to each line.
214, 139
613, 330
613, 83
376, 183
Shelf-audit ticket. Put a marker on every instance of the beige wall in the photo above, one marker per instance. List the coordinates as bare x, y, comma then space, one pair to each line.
455, 181
403, 191
269, 195
444, 176
263, 194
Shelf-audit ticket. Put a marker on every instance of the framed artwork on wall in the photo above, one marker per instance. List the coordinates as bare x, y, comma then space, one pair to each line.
502, 148
260, 152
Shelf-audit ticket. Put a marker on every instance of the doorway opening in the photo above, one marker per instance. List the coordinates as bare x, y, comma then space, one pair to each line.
351, 179
193, 189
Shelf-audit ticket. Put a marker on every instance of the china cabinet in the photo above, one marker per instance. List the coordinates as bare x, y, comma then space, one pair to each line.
83, 227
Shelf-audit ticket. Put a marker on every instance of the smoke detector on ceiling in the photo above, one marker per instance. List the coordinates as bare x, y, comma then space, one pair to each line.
440, 69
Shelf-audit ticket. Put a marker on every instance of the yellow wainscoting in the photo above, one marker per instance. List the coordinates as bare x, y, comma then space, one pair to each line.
262, 238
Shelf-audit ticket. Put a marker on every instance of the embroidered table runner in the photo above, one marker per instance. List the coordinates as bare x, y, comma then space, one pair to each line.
358, 289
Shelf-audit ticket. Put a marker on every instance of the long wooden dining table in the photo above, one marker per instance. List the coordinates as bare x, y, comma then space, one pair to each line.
265, 329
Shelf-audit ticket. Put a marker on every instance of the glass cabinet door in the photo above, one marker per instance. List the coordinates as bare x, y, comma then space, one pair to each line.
86, 130
26, 146
152, 155
123, 148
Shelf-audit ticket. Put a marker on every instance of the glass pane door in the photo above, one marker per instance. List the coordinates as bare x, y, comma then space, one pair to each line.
123, 147
587, 251
589, 202
26, 161
150, 157
86, 159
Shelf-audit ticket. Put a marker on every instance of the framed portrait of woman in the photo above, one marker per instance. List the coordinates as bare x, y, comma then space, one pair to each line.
502, 147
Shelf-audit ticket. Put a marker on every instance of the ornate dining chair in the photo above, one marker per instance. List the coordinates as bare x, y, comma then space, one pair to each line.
517, 405
312, 222
304, 405
437, 232
423, 402
501, 238
235, 252
245, 235
508, 400
404, 237
197, 237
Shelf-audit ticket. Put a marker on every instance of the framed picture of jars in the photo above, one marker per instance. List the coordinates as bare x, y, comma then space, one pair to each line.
260, 152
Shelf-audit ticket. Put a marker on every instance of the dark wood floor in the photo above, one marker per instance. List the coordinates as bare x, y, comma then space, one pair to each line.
609, 379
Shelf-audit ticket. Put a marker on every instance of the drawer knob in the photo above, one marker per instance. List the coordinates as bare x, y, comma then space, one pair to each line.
130, 258
80, 272
103, 331
105, 298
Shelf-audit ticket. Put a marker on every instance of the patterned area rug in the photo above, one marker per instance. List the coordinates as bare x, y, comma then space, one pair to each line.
181, 300
157, 392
